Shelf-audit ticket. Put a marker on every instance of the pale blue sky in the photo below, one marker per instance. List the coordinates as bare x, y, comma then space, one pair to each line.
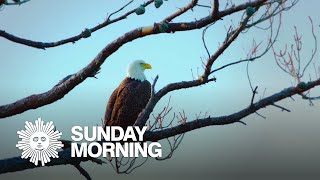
26, 71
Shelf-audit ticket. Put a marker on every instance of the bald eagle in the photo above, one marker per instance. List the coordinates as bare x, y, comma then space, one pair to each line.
129, 98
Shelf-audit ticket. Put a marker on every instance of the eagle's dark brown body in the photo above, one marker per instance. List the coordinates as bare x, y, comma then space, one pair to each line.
126, 102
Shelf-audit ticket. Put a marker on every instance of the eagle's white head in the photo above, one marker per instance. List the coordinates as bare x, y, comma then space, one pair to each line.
136, 70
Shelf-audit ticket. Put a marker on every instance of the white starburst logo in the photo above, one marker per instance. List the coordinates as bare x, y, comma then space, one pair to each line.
39, 142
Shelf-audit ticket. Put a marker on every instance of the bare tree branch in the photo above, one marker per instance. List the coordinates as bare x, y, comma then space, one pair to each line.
58, 92
82, 171
43, 45
181, 11
168, 131
15, 2
282, 108
233, 118
215, 11
144, 115
18, 164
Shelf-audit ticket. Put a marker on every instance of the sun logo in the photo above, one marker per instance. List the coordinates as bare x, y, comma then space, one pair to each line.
39, 142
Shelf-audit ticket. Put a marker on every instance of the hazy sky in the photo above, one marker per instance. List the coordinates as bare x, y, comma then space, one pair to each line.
283, 145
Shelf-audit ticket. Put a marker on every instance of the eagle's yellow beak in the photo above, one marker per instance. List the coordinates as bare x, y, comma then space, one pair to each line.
147, 66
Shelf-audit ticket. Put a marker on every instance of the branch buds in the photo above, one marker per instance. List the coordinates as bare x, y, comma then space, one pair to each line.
163, 27
250, 10
140, 10
86, 33
158, 3
302, 85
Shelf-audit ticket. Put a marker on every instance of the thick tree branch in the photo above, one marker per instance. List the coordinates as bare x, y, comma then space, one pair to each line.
66, 85
144, 115
18, 164
43, 45
215, 11
58, 92
15, 3
233, 118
